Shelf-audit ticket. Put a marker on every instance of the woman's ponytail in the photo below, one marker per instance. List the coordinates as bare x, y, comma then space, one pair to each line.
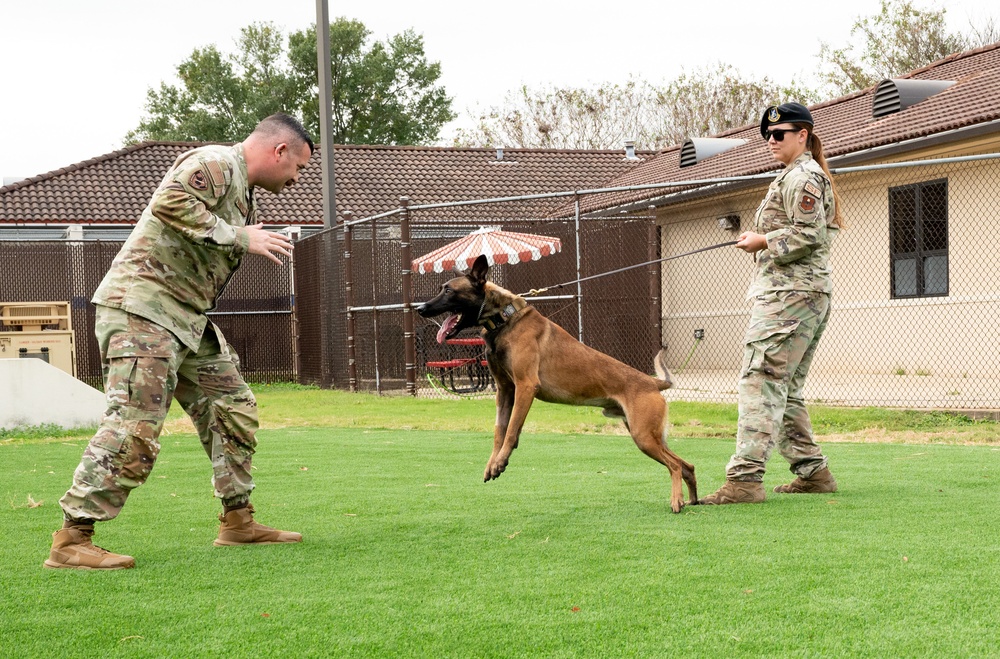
815, 145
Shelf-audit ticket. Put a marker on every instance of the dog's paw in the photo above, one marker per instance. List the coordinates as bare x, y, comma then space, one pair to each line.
677, 506
493, 470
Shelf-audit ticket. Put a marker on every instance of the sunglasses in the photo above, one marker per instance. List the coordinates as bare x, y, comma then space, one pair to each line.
779, 133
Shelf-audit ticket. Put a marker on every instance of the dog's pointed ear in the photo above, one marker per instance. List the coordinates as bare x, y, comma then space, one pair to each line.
479, 270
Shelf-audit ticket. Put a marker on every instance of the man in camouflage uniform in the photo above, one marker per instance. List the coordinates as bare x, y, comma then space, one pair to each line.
794, 227
157, 343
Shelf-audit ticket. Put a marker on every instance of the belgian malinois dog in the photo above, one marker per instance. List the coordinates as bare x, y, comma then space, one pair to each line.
531, 357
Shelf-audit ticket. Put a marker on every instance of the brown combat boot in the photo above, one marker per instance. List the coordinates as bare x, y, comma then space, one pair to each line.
820, 482
735, 492
72, 548
239, 528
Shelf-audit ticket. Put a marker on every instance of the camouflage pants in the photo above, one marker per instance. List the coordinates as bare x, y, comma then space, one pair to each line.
785, 328
145, 367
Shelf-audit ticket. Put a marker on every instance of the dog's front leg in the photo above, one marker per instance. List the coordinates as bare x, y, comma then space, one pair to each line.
505, 405
524, 395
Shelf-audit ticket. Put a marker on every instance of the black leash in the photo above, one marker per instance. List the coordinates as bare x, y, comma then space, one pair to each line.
537, 291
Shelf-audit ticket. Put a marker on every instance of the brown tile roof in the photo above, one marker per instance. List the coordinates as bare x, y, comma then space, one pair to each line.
115, 188
845, 125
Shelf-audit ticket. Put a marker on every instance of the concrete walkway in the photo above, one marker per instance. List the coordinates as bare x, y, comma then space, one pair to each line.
908, 391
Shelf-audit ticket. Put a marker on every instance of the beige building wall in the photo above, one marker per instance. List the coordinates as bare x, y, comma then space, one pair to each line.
705, 291
956, 335
953, 335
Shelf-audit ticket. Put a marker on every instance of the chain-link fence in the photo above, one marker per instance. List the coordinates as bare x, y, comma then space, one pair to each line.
915, 297
914, 303
615, 314
254, 313
60, 271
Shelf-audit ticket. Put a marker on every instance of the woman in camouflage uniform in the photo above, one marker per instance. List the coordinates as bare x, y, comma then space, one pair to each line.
794, 227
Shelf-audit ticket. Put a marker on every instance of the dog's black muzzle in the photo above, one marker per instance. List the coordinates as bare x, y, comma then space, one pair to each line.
429, 309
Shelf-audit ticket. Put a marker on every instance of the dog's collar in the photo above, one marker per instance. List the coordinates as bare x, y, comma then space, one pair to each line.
497, 320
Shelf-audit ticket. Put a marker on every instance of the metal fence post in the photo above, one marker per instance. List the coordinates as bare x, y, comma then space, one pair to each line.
294, 233
376, 287
352, 363
409, 340
579, 287
655, 307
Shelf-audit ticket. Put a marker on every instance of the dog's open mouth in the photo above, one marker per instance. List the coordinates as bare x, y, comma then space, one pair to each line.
448, 326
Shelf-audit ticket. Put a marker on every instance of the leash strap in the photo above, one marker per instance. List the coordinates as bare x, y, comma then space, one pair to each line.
538, 291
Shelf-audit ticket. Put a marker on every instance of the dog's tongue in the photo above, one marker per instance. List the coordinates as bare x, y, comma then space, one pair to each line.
446, 327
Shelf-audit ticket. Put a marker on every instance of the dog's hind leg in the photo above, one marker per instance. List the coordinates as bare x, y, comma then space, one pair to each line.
648, 419
687, 469
687, 472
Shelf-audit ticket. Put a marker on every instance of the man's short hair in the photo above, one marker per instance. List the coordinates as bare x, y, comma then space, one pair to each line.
278, 123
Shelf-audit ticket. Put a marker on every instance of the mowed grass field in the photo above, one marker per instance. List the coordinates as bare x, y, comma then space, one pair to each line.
573, 552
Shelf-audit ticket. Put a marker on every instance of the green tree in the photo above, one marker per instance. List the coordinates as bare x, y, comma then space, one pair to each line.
704, 102
899, 39
222, 97
383, 93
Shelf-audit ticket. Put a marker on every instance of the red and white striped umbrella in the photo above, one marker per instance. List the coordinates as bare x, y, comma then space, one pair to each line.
499, 247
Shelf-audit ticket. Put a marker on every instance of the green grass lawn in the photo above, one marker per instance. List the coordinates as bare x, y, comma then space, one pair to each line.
573, 552
284, 405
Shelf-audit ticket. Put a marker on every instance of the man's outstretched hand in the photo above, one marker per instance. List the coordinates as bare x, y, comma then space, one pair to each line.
268, 243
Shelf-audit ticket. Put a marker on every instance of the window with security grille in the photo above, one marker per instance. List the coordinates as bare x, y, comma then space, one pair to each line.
918, 239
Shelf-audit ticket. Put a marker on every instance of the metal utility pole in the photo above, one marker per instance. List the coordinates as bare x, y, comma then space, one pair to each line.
328, 295
325, 104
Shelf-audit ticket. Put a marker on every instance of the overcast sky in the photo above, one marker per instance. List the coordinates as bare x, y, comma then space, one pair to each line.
74, 73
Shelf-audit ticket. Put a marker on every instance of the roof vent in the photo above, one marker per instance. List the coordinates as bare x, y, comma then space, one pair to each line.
893, 95
500, 158
630, 151
697, 149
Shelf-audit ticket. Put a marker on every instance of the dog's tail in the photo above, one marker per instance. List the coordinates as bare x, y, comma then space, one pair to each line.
660, 364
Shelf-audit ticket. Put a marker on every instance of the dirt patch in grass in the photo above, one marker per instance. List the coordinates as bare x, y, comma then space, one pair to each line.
970, 437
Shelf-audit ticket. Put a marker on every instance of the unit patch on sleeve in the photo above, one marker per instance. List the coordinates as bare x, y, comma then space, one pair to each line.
198, 181
807, 203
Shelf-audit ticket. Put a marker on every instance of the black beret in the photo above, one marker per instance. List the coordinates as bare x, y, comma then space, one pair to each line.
786, 113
